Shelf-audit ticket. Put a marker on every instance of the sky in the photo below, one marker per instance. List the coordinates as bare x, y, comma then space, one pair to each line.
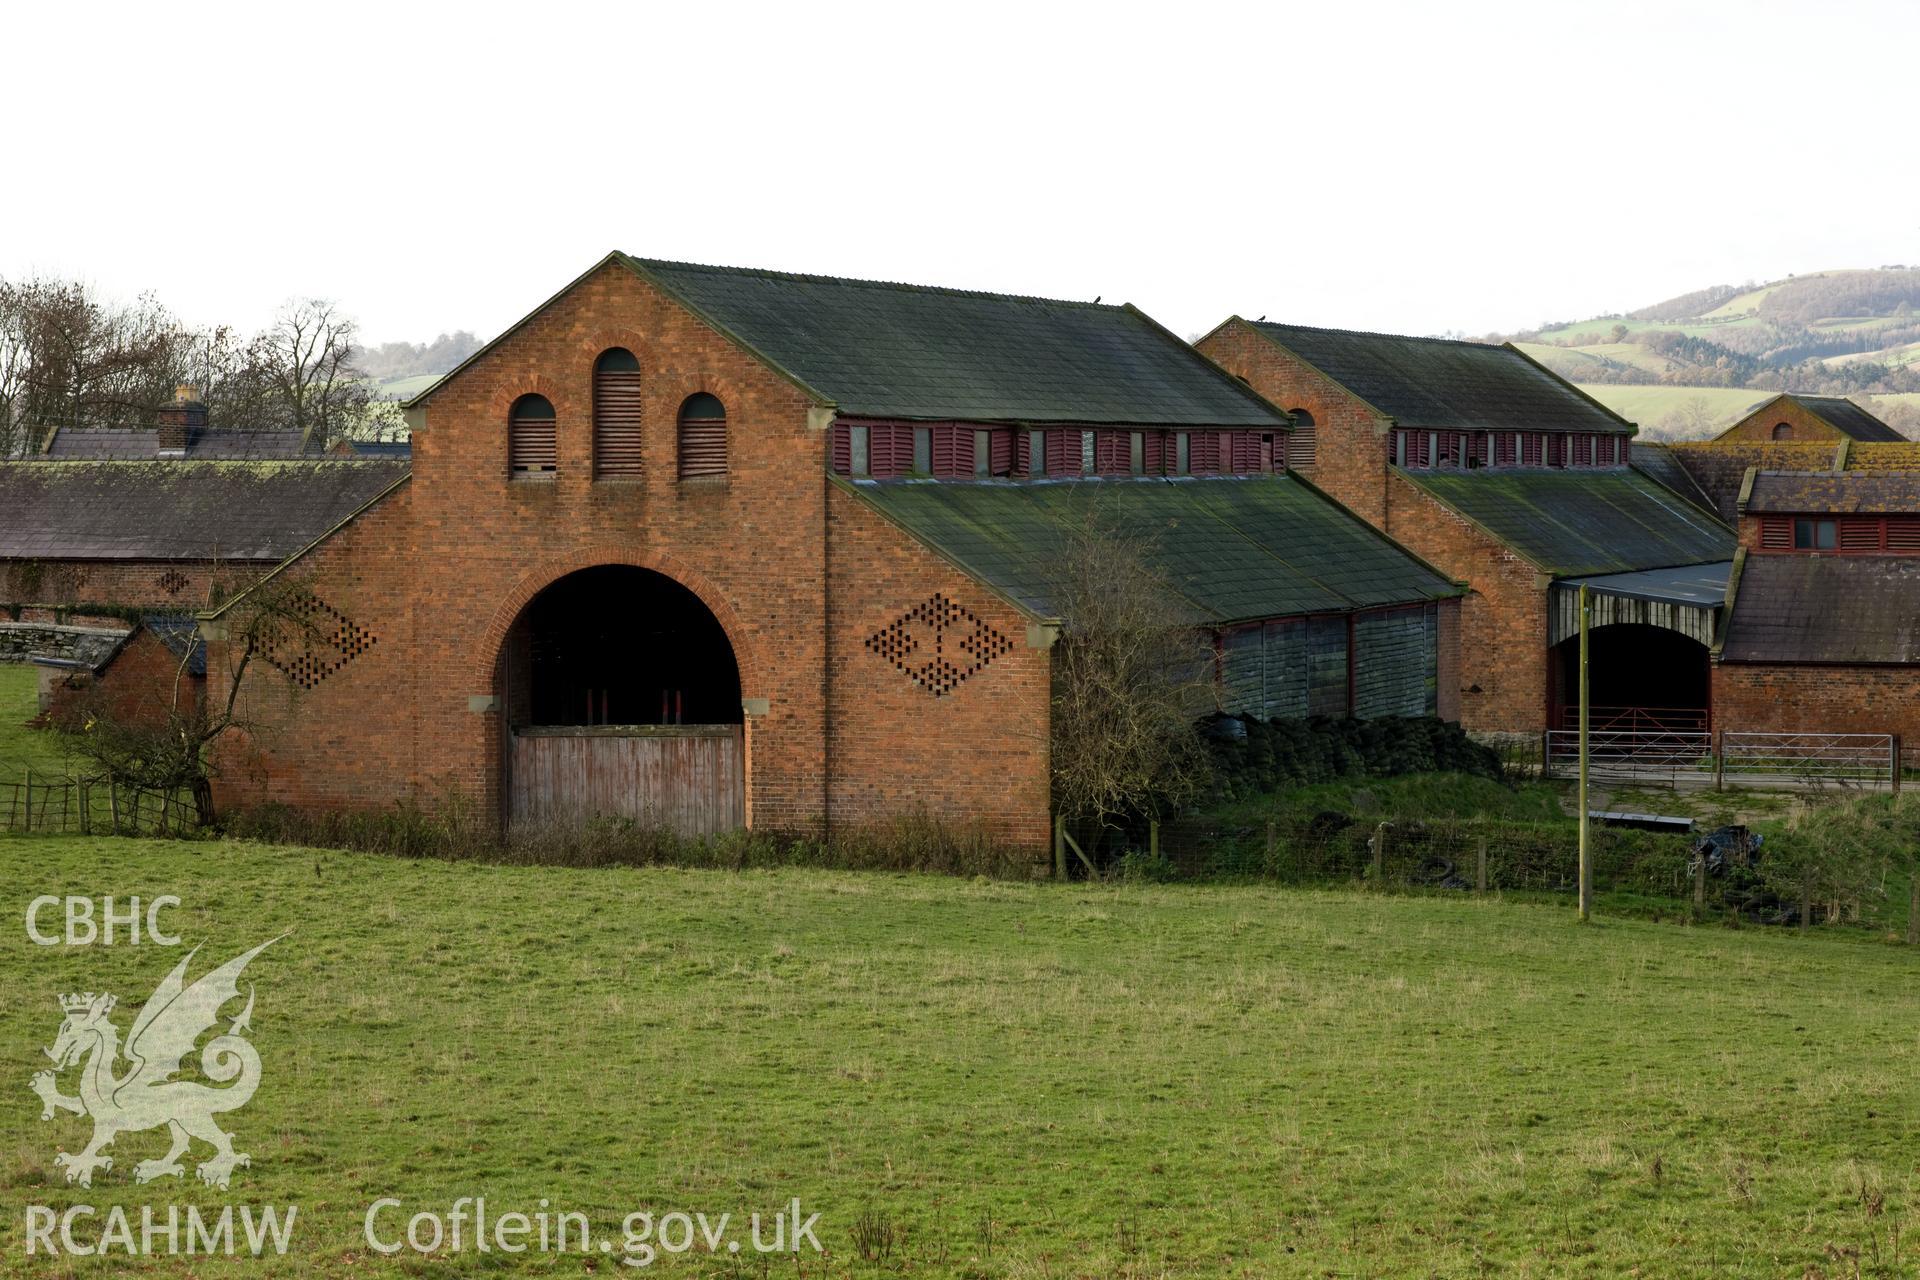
1420, 168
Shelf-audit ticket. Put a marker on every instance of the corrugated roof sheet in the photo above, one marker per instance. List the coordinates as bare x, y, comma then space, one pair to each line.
204, 444
1235, 549
1577, 522
1693, 584
908, 351
1446, 384
261, 511
1840, 492
1845, 609
1849, 418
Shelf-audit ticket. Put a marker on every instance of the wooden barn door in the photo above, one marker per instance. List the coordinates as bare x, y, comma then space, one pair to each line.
688, 778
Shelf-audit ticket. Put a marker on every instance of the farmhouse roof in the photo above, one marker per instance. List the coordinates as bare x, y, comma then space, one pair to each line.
1446, 384
252, 511
1834, 492
1833, 609
1838, 412
1232, 549
204, 444
882, 350
1576, 522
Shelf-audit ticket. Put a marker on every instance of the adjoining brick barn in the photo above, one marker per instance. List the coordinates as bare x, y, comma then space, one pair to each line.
1794, 418
1822, 633
719, 546
1503, 475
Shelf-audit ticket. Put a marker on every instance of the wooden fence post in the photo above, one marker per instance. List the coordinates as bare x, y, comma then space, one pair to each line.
1896, 764
113, 804
1380, 855
27, 786
1480, 866
1153, 838
1059, 846
1700, 886
1720, 760
86, 813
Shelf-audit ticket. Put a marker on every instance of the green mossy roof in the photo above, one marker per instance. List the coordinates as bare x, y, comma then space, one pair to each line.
1577, 521
1446, 384
884, 350
1235, 549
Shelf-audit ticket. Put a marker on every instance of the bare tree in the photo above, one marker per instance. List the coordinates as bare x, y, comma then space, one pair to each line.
307, 357
70, 358
1130, 681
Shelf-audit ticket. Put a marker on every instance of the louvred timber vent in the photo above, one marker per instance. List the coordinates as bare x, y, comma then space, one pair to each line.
939, 644
311, 640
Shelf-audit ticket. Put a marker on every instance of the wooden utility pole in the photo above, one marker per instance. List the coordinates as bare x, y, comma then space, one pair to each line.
1586, 851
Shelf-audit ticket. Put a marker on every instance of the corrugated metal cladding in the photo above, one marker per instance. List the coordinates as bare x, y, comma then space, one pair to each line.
1290, 668
1696, 622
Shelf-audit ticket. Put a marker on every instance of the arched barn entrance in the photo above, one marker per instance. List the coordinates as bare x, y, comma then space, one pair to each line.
622, 699
1639, 677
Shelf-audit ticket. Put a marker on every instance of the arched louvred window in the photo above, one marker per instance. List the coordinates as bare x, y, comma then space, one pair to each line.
532, 448
616, 413
1301, 441
703, 437
1783, 431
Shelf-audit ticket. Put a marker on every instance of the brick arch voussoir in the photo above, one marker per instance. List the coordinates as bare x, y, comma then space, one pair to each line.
537, 384
538, 579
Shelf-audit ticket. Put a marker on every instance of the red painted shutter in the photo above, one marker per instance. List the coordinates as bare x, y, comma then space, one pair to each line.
1155, 453
843, 449
703, 447
616, 422
1776, 533
1860, 533
1903, 534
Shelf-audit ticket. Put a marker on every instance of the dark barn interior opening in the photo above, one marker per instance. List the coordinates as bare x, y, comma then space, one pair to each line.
1638, 677
617, 645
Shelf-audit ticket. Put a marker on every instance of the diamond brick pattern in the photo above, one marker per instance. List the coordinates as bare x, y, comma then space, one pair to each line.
314, 641
939, 644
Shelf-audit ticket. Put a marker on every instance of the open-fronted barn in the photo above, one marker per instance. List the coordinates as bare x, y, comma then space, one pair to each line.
722, 546
1491, 467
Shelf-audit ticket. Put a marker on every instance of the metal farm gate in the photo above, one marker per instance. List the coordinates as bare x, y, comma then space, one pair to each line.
687, 778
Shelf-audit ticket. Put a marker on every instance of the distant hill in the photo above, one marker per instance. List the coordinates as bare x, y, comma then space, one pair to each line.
1694, 363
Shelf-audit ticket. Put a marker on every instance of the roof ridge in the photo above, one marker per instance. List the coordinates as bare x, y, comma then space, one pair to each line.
1378, 333
904, 286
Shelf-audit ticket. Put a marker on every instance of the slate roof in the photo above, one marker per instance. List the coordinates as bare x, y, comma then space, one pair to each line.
1446, 384
1236, 549
1659, 462
261, 511
882, 350
1838, 412
1840, 609
204, 444
1575, 522
1837, 492
182, 636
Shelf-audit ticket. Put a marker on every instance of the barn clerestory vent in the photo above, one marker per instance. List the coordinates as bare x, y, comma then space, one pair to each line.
939, 644
313, 640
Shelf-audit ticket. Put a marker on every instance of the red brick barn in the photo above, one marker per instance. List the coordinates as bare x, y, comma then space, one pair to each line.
723, 546
1792, 418
1822, 631
1487, 465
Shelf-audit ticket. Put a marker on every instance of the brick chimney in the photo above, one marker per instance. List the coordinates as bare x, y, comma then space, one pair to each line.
179, 421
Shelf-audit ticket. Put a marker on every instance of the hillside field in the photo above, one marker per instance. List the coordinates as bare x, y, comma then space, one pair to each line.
991, 1079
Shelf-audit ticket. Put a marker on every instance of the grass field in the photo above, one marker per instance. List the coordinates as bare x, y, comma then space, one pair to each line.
991, 1079
1648, 405
22, 748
